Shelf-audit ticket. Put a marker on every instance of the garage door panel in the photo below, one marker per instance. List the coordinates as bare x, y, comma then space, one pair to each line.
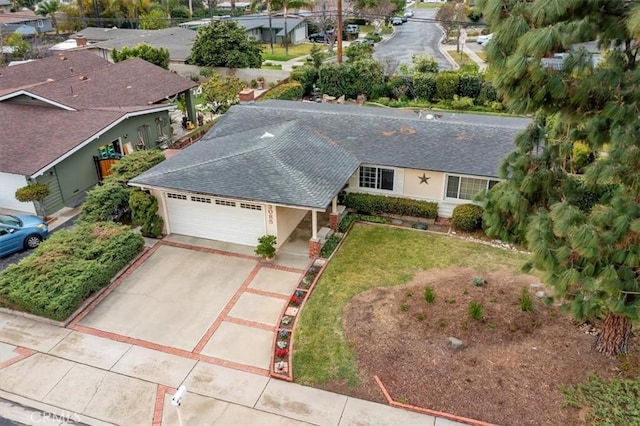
215, 219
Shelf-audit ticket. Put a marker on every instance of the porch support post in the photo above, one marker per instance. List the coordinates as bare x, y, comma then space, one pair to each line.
333, 216
314, 225
334, 205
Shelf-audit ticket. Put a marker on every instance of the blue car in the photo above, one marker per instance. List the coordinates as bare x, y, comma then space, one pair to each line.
21, 232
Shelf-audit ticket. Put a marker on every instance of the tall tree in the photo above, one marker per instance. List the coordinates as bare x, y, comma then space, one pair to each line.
156, 55
589, 254
450, 16
225, 44
285, 5
49, 8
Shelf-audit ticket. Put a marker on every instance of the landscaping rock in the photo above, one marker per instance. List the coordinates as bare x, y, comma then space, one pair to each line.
455, 343
396, 222
540, 294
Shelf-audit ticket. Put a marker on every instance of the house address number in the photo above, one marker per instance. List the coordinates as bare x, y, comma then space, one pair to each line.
270, 214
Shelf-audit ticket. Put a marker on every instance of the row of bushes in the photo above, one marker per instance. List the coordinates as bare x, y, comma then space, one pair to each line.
67, 268
291, 91
376, 204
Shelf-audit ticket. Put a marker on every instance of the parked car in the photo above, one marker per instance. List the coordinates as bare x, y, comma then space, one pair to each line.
363, 41
404, 19
21, 232
318, 38
408, 14
396, 21
352, 29
484, 39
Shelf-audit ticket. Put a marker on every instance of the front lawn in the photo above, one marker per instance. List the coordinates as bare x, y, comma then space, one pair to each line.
370, 257
295, 51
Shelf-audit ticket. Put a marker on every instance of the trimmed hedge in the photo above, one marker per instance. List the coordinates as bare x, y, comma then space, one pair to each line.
291, 91
67, 268
373, 204
467, 217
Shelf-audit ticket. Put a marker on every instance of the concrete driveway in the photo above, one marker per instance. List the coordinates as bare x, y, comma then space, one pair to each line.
192, 300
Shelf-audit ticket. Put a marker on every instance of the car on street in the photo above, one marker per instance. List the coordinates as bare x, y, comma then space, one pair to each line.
363, 41
21, 232
352, 29
484, 39
396, 21
408, 14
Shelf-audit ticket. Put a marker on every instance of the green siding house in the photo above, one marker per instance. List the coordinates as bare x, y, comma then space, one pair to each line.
68, 117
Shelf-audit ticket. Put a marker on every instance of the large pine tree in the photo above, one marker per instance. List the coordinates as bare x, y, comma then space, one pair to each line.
588, 252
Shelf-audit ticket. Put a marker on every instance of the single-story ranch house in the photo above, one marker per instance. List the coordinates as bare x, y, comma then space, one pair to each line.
264, 166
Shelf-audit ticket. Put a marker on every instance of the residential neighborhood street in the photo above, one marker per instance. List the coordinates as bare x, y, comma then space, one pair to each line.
418, 35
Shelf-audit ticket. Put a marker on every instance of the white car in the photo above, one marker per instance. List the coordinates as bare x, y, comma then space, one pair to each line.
484, 39
396, 21
408, 14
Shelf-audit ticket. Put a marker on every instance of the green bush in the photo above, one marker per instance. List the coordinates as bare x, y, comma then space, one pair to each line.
429, 294
108, 202
467, 217
424, 86
67, 268
424, 64
291, 91
487, 94
144, 213
446, 85
400, 87
134, 164
372, 219
373, 36
582, 155
350, 79
462, 104
469, 85
329, 246
474, 14
371, 204
346, 222
476, 310
306, 75
526, 301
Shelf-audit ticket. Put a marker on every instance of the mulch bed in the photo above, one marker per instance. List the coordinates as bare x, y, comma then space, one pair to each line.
509, 368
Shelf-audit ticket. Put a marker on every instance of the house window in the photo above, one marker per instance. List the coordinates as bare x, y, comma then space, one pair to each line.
201, 200
376, 178
250, 206
143, 136
176, 196
465, 188
40, 23
225, 203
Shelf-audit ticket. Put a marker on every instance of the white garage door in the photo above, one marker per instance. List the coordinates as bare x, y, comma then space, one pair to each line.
215, 219
8, 184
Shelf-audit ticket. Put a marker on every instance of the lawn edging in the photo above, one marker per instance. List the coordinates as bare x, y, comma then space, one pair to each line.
279, 368
421, 410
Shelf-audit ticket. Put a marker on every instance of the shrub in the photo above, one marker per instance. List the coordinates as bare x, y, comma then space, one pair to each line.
346, 222
400, 87
446, 85
67, 268
34, 192
288, 91
526, 301
487, 94
350, 79
135, 163
372, 219
429, 294
404, 307
462, 104
474, 14
467, 217
306, 75
424, 64
478, 281
476, 311
329, 247
424, 86
469, 85
266, 246
144, 213
370, 203
108, 202
582, 155
373, 36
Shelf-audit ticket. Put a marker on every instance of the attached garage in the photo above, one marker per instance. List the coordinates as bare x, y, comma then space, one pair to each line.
9, 183
215, 218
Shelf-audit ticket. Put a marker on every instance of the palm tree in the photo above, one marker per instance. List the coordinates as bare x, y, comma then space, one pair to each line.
285, 5
49, 8
258, 4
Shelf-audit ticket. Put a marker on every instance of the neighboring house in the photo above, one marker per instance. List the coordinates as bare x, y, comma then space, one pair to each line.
257, 27
12, 21
263, 167
178, 41
62, 116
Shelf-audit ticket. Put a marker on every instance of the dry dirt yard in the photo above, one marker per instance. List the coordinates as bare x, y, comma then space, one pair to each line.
510, 366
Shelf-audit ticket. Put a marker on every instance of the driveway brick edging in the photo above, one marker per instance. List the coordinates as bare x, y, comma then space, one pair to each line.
88, 301
286, 372
421, 410
22, 353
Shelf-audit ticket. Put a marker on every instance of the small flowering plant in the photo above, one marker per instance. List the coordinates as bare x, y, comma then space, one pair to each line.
282, 352
295, 300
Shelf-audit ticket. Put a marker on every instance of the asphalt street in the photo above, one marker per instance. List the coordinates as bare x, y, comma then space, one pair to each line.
418, 35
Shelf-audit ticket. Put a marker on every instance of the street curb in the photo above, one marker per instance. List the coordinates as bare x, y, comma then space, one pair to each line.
453, 63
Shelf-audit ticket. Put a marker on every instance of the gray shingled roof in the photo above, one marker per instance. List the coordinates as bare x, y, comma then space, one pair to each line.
263, 163
317, 147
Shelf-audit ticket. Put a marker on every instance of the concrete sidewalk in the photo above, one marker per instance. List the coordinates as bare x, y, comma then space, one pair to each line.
74, 377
